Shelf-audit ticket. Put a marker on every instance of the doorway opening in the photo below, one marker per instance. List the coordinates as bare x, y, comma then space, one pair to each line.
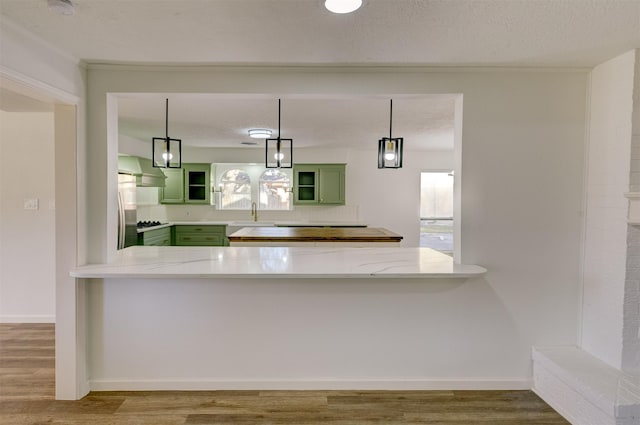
436, 210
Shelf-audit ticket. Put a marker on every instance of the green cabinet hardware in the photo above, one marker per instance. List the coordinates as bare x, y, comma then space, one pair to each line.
206, 235
187, 185
155, 237
319, 184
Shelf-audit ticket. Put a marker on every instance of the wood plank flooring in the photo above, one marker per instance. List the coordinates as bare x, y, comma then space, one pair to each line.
27, 398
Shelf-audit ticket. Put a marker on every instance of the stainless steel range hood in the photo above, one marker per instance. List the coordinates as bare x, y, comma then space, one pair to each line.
146, 174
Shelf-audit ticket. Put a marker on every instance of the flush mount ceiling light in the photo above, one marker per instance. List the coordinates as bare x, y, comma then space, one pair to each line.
390, 149
166, 152
260, 133
61, 7
279, 152
342, 6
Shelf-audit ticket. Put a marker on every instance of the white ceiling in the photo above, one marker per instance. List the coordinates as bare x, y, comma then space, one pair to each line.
432, 32
548, 33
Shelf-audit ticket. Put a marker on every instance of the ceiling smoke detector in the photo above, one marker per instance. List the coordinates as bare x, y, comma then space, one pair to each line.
61, 7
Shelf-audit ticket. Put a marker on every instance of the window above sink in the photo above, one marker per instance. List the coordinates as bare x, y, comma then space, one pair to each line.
237, 186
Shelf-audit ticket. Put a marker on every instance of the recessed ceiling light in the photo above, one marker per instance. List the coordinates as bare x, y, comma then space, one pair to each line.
342, 6
260, 133
62, 7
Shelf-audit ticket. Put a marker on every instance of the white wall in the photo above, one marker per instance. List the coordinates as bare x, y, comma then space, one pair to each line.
32, 58
522, 165
38, 70
27, 237
605, 250
631, 302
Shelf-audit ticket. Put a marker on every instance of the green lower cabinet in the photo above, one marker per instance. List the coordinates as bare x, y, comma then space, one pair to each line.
190, 235
319, 184
156, 237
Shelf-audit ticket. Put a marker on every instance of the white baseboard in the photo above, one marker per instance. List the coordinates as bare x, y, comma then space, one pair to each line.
313, 384
34, 318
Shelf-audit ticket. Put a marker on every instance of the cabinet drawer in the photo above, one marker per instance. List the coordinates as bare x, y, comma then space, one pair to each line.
217, 230
159, 237
199, 239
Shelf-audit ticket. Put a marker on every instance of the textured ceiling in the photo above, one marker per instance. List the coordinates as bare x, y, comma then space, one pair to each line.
480, 32
549, 33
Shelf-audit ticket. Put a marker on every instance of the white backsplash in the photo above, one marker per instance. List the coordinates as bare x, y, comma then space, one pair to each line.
348, 213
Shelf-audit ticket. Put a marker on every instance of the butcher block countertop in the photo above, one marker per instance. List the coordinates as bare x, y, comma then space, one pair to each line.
314, 234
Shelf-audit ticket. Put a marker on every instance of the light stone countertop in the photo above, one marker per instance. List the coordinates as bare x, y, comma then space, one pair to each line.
278, 262
249, 223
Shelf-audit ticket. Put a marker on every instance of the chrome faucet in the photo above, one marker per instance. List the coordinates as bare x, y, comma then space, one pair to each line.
254, 211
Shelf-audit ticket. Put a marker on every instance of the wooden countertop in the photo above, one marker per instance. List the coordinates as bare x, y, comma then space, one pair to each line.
314, 234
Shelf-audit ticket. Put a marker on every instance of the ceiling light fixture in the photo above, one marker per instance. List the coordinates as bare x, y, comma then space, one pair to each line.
166, 152
342, 6
279, 152
62, 7
260, 133
390, 149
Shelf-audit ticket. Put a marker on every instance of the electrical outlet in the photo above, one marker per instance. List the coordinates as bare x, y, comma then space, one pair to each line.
31, 204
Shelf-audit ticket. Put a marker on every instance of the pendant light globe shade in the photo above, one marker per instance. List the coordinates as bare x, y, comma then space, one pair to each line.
342, 6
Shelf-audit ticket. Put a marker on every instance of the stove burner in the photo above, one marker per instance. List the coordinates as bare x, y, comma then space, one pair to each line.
143, 224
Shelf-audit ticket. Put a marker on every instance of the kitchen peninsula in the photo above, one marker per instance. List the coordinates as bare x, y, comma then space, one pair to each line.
189, 318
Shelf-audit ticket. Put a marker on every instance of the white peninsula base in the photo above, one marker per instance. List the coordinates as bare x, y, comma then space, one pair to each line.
161, 318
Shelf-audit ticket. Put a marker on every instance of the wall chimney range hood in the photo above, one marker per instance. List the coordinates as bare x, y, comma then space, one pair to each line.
142, 168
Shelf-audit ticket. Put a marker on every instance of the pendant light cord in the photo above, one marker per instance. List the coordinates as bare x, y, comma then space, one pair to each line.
279, 119
390, 116
166, 120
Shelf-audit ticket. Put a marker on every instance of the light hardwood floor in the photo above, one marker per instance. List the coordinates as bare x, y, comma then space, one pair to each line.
27, 397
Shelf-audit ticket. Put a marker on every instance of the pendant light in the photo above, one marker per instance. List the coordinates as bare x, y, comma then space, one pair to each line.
279, 152
166, 152
389, 148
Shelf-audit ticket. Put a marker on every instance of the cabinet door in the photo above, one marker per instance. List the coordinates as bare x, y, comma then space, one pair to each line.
197, 184
173, 191
305, 185
331, 185
158, 237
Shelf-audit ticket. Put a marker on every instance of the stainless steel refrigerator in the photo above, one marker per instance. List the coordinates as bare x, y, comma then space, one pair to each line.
127, 217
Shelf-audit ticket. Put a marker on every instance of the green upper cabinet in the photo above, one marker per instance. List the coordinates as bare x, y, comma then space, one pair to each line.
319, 184
197, 184
173, 190
187, 185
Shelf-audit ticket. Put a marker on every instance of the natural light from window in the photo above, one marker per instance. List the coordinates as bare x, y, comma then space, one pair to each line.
436, 211
275, 190
235, 190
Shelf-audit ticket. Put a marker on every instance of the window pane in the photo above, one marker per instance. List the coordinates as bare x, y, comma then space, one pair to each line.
275, 190
235, 190
436, 199
436, 211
